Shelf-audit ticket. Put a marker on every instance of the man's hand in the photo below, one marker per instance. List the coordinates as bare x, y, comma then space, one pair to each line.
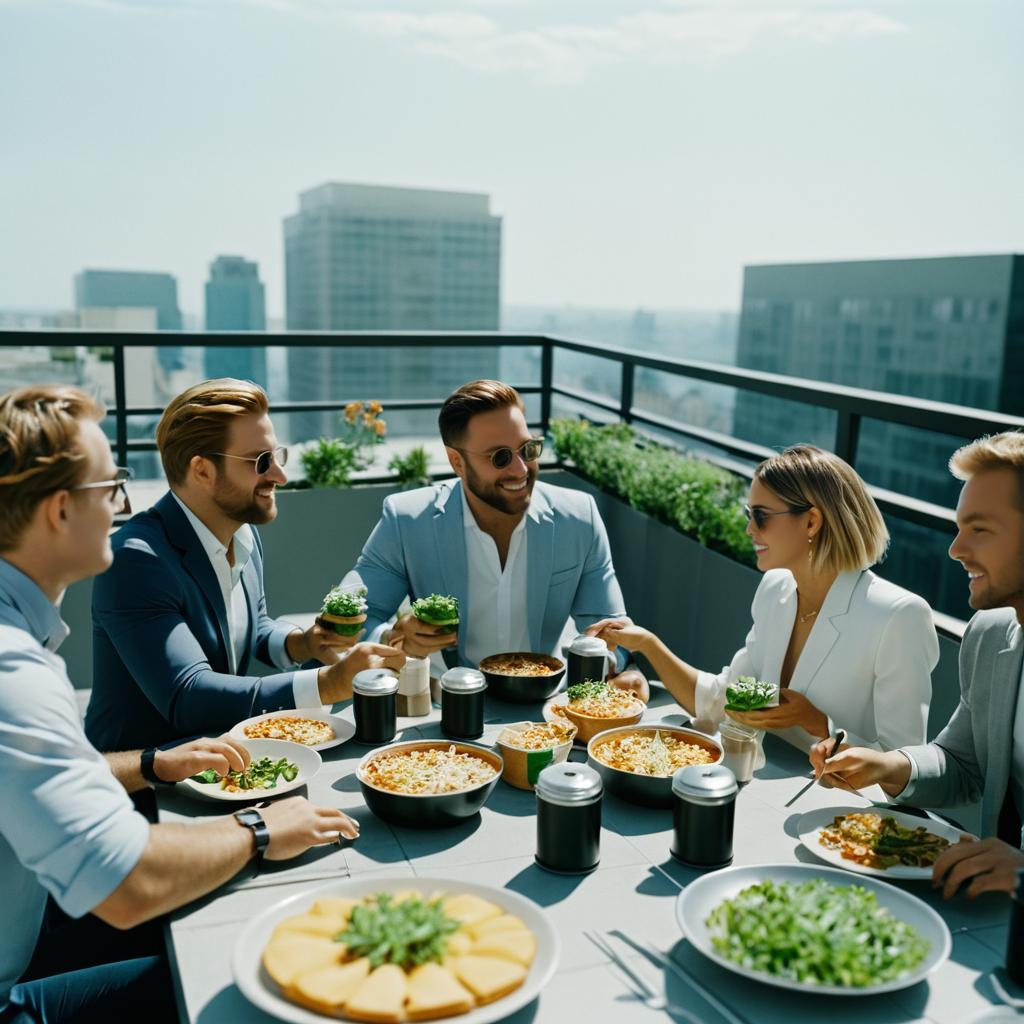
319, 643
794, 709
632, 680
187, 759
295, 825
989, 865
420, 639
618, 633
862, 766
335, 681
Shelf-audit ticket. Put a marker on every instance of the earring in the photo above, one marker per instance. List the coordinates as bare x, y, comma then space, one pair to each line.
810, 549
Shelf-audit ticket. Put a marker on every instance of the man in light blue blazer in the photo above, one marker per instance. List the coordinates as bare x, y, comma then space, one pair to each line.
522, 557
180, 618
979, 755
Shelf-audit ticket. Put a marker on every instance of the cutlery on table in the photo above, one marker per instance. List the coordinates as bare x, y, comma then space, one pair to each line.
645, 991
653, 953
836, 741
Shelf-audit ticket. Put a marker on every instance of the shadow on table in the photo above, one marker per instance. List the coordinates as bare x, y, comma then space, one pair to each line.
422, 842
523, 1015
516, 803
229, 1005
543, 887
630, 819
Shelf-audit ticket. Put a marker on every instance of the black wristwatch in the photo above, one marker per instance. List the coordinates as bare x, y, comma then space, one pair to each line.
251, 818
148, 771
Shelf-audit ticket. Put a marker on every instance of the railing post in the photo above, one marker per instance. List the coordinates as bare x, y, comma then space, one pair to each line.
626, 392
547, 365
120, 405
847, 433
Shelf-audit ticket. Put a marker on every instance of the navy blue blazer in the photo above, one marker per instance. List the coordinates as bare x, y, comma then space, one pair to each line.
160, 639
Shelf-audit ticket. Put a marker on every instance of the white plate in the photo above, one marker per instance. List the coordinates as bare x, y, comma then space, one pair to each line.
342, 730
260, 990
307, 759
809, 827
699, 898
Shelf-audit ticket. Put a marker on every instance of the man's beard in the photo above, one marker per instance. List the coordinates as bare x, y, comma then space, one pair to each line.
242, 507
490, 495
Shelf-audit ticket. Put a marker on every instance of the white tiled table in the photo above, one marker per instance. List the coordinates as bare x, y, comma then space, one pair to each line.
634, 890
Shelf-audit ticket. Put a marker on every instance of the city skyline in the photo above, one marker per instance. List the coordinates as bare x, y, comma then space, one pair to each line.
639, 155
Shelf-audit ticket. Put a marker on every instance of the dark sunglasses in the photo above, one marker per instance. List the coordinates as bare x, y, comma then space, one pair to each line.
263, 461
760, 515
528, 451
118, 492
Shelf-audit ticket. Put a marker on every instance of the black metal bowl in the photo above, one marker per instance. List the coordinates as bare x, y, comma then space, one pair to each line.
429, 810
524, 689
651, 790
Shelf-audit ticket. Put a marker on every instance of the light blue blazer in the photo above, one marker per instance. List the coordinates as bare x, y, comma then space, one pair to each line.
419, 548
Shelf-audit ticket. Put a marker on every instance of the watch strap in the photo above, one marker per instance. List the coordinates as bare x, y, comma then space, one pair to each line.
253, 820
148, 770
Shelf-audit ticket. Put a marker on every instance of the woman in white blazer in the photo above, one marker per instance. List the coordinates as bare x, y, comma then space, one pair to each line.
849, 650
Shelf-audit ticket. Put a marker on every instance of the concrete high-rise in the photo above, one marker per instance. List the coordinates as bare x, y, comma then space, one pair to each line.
948, 329
111, 289
235, 301
375, 258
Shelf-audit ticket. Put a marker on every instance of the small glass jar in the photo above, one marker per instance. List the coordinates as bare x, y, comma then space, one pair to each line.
739, 746
462, 703
374, 705
569, 818
587, 659
703, 814
414, 687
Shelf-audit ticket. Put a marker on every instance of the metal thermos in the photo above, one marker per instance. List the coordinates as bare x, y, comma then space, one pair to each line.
587, 659
703, 812
1015, 938
462, 703
568, 818
374, 705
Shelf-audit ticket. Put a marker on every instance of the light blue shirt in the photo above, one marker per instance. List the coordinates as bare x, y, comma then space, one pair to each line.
67, 826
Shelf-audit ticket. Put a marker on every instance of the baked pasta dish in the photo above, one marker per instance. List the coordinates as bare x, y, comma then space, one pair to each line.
644, 753
309, 731
539, 736
599, 700
516, 665
431, 771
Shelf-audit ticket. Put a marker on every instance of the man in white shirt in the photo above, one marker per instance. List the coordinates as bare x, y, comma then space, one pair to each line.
522, 557
67, 826
980, 752
181, 615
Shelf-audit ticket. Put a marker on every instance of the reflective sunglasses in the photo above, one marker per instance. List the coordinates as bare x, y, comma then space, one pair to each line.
760, 515
528, 451
118, 496
263, 461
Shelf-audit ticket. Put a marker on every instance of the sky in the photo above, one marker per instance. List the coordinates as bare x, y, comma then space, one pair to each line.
640, 153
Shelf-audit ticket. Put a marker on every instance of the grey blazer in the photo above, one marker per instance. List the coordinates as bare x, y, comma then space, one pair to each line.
971, 758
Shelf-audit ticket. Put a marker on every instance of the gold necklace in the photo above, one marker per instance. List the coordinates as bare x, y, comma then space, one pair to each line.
809, 615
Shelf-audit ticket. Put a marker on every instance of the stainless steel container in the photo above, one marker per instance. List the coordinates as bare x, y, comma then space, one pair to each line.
587, 658
374, 705
462, 703
703, 814
569, 818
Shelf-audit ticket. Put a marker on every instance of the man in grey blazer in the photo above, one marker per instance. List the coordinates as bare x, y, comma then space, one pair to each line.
522, 557
980, 752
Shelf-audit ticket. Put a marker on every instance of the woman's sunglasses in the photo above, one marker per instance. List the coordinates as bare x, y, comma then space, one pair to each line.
528, 451
118, 492
263, 461
761, 516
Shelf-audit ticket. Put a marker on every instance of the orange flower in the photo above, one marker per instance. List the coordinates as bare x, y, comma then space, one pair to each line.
381, 427
352, 410
376, 407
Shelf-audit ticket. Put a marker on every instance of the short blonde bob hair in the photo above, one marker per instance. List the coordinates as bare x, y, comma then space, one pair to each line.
198, 420
40, 450
995, 451
853, 534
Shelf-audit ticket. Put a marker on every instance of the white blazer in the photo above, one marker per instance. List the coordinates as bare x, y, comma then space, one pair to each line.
867, 662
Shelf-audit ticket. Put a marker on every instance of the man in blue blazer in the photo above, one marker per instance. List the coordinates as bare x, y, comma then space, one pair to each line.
522, 557
180, 617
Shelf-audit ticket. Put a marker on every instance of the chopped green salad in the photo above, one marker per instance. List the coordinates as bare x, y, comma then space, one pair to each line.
437, 610
261, 774
750, 694
409, 933
588, 688
815, 933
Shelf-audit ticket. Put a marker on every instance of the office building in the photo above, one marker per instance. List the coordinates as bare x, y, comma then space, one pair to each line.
375, 258
235, 301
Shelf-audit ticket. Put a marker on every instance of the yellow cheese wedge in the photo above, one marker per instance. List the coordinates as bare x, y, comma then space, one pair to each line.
325, 925
401, 895
458, 943
434, 992
288, 954
502, 923
469, 909
335, 906
519, 946
487, 977
380, 997
326, 988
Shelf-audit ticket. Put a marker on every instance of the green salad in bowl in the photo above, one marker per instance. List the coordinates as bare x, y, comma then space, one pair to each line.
750, 694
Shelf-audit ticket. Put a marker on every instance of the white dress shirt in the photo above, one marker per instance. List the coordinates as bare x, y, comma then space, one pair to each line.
305, 688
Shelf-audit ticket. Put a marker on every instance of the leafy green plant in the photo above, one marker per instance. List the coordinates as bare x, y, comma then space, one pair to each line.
330, 463
412, 469
345, 603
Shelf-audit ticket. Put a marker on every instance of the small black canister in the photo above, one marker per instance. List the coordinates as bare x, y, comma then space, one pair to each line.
568, 818
375, 705
703, 812
1015, 937
462, 703
587, 660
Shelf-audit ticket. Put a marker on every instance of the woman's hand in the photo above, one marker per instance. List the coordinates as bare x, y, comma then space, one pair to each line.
794, 709
618, 633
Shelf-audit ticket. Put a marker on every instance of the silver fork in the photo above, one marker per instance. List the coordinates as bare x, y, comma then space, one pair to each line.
642, 989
